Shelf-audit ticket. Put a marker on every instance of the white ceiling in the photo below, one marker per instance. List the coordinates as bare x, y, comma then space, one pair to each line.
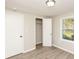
39, 7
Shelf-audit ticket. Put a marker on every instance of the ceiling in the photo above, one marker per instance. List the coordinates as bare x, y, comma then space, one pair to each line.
39, 7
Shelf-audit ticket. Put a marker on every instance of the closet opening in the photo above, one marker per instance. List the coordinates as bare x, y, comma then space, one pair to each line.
39, 40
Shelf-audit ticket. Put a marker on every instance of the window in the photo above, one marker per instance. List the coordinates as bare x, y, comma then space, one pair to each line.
68, 29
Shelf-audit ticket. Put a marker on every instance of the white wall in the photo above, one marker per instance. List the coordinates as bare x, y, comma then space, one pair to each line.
57, 40
2, 30
38, 31
29, 32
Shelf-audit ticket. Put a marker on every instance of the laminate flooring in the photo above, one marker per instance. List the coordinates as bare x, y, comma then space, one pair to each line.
44, 53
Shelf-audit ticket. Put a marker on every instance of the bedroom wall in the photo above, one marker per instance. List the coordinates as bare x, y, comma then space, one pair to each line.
29, 31
57, 28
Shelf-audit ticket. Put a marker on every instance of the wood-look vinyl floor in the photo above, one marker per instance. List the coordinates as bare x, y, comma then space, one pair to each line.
45, 53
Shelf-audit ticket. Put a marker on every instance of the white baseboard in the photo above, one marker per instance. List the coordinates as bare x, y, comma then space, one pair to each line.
29, 50
21, 52
63, 49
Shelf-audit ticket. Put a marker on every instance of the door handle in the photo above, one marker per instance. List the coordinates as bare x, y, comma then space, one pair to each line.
21, 36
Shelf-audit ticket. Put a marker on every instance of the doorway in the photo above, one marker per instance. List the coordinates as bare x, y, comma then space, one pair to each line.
39, 40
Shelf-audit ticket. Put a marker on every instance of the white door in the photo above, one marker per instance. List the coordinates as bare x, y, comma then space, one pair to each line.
47, 32
14, 33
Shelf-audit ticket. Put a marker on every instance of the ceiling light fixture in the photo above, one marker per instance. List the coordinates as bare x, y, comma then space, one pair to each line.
50, 3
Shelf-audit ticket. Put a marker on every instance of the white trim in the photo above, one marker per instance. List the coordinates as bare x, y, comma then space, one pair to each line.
29, 50
21, 52
61, 28
65, 40
63, 49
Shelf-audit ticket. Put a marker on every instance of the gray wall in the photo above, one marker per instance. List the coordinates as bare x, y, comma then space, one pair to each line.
57, 40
